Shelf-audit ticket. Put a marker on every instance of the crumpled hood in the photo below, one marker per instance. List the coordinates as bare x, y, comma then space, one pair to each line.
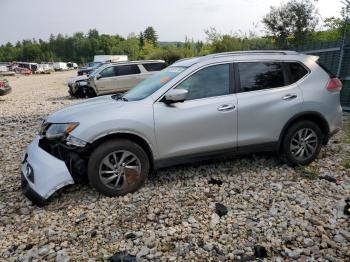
77, 78
94, 107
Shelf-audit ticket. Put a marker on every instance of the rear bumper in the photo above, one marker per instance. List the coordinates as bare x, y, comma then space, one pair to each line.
42, 174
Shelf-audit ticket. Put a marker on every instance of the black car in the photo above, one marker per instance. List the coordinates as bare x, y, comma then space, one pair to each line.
4, 87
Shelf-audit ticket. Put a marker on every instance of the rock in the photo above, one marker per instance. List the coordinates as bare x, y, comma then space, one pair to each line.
81, 218
214, 181
218, 251
130, 235
224, 238
339, 238
143, 252
208, 247
200, 243
192, 220
345, 234
308, 242
294, 254
273, 211
93, 233
44, 250
215, 219
260, 251
238, 252
61, 256
220, 209
329, 178
24, 211
151, 217
122, 257
151, 240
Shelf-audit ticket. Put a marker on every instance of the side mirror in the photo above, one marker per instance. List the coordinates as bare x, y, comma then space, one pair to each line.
175, 95
98, 76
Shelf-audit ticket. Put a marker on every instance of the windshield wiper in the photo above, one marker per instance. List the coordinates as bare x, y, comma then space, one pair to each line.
119, 96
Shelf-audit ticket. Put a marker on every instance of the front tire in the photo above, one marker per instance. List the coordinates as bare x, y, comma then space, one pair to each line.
302, 143
118, 167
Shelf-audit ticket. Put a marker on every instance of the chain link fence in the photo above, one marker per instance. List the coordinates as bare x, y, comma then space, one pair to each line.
336, 57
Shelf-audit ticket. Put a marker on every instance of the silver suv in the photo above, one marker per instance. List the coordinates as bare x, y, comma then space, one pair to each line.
122, 76
204, 107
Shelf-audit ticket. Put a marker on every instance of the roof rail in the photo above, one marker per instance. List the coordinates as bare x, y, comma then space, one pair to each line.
136, 61
255, 52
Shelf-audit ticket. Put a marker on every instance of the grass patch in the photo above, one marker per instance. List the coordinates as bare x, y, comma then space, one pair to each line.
308, 172
346, 163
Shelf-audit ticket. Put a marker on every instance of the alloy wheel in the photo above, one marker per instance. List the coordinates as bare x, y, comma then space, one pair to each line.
303, 144
119, 169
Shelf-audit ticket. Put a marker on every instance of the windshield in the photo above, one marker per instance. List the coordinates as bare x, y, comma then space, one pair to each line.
96, 64
152, 84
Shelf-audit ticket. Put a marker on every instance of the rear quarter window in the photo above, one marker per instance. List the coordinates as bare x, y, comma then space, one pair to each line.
297, 71
154, 66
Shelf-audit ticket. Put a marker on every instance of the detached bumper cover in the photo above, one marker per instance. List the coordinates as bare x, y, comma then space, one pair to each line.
48, 173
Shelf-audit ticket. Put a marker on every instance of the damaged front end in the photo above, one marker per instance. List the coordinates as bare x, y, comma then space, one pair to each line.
53, 160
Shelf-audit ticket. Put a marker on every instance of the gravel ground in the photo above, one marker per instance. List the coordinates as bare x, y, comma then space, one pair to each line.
287, 213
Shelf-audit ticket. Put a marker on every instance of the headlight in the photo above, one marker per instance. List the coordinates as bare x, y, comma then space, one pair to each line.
54, 131
81, 83
74, 141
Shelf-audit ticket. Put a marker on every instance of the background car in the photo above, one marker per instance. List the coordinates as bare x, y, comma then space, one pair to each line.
89, 67
5, 87
122, 76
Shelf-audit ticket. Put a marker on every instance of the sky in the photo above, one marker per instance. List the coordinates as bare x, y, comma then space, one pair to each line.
174, 20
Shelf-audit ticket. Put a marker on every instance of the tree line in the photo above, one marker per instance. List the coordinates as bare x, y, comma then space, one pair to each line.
292, 23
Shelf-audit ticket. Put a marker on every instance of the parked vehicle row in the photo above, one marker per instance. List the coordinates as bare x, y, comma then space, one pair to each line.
27, 68
217, 105
109, 78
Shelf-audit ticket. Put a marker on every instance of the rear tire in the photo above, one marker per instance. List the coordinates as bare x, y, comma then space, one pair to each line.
118, 167
302, 143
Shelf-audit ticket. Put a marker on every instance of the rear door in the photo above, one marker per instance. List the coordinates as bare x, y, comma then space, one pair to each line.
267, 99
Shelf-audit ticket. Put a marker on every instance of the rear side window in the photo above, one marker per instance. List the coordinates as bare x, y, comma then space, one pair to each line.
297, 71
127, 70
154, 66
260, 75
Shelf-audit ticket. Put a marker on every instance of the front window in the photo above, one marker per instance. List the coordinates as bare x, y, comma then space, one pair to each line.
153, 83
208, 82
108, 72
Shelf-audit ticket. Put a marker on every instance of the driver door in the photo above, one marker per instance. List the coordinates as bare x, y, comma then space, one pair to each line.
205, 122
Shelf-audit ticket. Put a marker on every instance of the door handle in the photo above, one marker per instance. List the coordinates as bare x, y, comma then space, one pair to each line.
289, 97
226, 107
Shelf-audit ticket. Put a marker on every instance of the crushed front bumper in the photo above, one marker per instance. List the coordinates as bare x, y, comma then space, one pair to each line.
42, 174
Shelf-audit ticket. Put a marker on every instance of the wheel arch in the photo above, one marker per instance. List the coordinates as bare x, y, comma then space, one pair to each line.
315, 117
142, 142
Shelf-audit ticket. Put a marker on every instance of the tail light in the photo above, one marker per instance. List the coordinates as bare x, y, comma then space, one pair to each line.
334, 85
1, 84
